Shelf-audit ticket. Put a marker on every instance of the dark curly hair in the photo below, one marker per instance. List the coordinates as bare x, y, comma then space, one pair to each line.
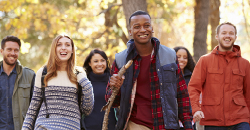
191, 61
86, 66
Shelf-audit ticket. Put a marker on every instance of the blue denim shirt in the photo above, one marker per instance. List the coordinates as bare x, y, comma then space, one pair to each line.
6, 91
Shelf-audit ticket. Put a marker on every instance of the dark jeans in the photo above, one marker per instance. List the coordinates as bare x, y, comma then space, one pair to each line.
240, 126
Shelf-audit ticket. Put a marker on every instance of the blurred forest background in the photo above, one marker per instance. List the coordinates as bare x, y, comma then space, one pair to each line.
103, 24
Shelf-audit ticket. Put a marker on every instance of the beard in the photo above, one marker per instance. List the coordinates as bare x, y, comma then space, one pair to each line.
8, 62
226, 47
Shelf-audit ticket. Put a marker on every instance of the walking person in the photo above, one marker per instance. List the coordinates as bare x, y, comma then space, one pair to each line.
98, 72
222, 77
187, 65
16, 85
154, 94
55, 103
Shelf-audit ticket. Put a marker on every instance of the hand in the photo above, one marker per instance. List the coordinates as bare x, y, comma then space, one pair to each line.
198, 115
116, 81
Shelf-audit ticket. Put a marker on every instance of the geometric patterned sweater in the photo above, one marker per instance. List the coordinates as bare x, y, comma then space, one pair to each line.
62, 103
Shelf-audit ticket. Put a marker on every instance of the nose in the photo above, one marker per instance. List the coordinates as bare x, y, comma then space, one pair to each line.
13, 52
63, 46
142, 29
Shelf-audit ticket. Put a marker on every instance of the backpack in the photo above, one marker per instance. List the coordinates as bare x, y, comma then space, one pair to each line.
43, 91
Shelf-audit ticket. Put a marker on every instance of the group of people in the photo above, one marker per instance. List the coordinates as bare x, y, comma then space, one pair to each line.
160, 90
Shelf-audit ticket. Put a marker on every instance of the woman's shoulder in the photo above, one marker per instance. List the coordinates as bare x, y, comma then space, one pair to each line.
38, 77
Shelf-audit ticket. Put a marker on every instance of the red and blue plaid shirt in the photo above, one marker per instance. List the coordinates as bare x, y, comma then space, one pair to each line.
184, 111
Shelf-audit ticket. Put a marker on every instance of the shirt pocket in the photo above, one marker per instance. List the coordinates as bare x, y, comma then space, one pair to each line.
237, 77
24, 90
169, 73
215, 75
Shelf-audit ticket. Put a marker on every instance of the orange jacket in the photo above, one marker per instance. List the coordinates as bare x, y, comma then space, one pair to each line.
224, 80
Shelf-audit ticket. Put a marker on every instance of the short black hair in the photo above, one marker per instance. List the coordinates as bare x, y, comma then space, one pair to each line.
191, 61
86, 66
138, 12
10, 38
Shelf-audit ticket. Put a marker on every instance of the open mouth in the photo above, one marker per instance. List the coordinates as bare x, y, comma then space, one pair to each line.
227, 40
143, 36
63, 53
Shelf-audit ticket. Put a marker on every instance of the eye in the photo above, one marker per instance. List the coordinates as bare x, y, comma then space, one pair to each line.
147, 26
137, 27
58, 44
16, 50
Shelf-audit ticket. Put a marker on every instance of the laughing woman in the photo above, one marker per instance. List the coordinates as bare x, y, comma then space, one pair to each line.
97, 68
58, 108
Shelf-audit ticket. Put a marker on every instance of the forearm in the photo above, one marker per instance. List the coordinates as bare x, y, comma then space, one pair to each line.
87, 98
33, 110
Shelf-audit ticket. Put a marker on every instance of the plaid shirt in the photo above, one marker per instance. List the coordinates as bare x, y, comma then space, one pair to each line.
157, 114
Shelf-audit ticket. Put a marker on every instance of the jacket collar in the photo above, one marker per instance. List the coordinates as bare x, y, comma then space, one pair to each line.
131, 46
235, 53
18, 67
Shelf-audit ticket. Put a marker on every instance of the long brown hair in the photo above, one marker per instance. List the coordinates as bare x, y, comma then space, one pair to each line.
54, 62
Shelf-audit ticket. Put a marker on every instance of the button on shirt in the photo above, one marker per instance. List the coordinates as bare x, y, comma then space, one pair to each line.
6, 91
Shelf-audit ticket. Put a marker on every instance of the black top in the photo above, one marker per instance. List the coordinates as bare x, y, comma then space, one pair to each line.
187, 75
95, 119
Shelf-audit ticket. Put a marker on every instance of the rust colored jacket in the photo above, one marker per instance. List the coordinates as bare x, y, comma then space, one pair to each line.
224, 80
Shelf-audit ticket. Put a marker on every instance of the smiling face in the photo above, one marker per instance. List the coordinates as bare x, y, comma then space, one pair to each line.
64, 49
141, 29
98, 64
182, 58
10, 53
226, 37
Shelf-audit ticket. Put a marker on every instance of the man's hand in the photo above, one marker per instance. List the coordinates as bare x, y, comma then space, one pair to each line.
198, 115
116, 81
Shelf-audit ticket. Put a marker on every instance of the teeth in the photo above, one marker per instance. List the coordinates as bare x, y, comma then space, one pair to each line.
12, 58
143, 35
63, 53
227, 40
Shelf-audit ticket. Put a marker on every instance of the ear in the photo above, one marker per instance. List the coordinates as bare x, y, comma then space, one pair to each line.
89, 64
152, 29
1, 50
216, 36
129, 31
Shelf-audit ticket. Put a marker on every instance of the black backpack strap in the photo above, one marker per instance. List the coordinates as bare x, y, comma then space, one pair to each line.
43, 90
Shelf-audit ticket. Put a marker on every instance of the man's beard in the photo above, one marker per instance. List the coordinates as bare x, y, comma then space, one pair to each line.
8, 63
225, 47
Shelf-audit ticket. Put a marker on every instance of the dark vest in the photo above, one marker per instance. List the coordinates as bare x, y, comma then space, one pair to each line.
166, 69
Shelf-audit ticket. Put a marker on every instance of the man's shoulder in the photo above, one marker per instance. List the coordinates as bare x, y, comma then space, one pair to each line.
27, 70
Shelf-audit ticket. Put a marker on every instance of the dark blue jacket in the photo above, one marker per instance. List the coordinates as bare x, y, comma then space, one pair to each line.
166, 69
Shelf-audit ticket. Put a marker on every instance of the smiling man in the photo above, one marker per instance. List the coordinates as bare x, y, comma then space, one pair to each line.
222, 77
16, 85
154, 94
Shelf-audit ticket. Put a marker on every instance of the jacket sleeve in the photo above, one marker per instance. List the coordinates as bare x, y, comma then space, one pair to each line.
116, 103
32, 86
35, 104
196, 83
87, 98
246, 86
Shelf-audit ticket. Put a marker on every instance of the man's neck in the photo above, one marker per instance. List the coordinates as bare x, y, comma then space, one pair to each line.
144, 49
8, 68
224, 50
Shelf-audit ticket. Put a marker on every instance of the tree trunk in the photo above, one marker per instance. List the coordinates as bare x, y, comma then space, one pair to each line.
201, 11
130, 6
214, 19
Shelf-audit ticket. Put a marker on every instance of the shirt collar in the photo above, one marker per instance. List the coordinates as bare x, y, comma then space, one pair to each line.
13, 71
